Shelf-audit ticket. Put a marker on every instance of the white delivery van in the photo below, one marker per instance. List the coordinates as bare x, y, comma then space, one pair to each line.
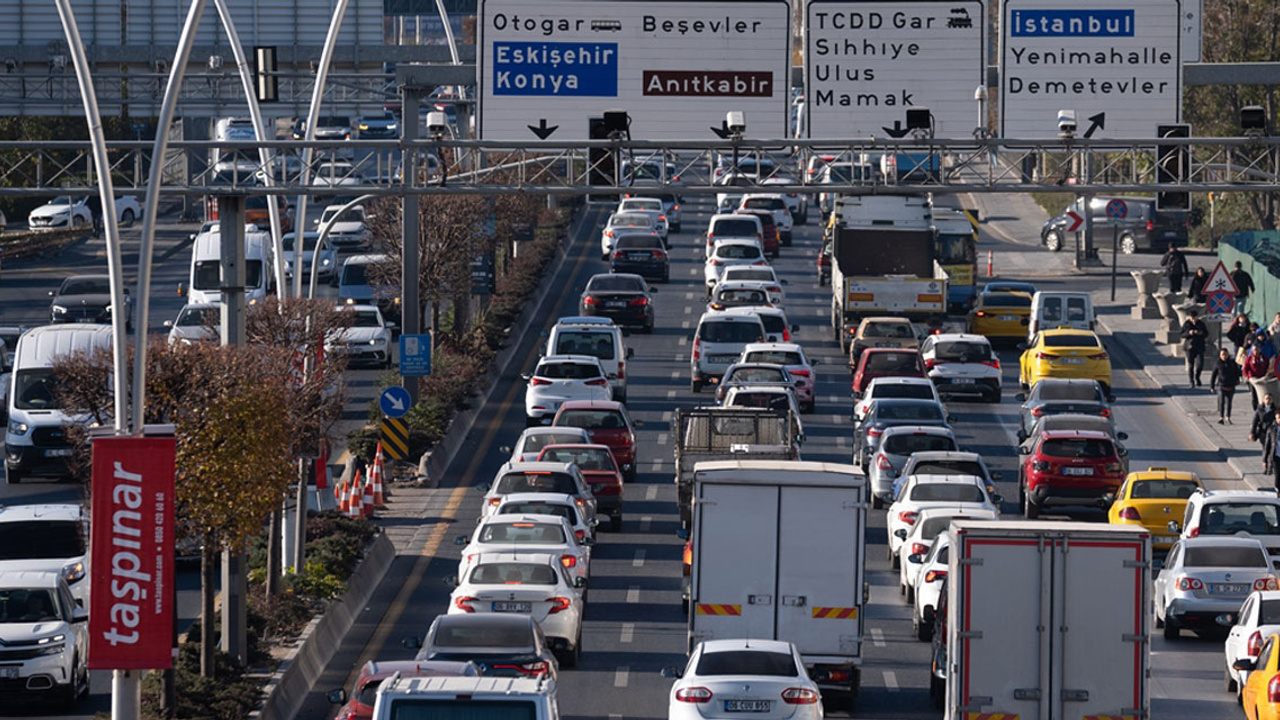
205, 284
1051, 309
778, 553
36, 440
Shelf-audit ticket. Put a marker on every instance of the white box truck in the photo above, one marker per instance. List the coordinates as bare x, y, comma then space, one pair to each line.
1048, 621
778, 553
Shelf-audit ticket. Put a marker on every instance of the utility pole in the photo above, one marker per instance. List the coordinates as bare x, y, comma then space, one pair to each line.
234, 582
410, 304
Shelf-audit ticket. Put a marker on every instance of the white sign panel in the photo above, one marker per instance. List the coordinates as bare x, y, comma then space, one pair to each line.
1116, 64
866, 62
676, 67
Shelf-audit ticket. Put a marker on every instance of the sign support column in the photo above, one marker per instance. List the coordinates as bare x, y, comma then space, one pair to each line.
410, 227
234, 591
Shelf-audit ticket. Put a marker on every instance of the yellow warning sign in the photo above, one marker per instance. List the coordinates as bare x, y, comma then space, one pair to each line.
395, 438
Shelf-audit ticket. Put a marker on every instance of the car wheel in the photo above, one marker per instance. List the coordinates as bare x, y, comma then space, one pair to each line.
615, 523
937, 691
13, 475
531, 421
666, 276
924, 630
695, 386
893, 560
1128, 245
1053, 241
993, 397
675, 228
1232, 686
1030, 510
1171, 631
803, 218
126, 218
808, 407
648, 328
876, 502
910, 594
569, 658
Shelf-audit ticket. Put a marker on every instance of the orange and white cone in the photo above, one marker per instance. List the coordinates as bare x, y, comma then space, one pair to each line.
344, 498
366, 501
379, 501
356, 507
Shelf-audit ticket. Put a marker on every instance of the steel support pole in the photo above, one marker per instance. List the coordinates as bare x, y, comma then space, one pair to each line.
231, 263
410, 227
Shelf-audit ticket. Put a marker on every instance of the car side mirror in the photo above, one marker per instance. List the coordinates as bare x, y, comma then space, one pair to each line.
815, 361
683, 533
997, 475
637, 424
1243, 664
483, 487
1020, 397
79, 615
168, 323
390, 324
460, 540
672, 672
951, 418
412, 642
579, 582
1174, 527
795, 329
451, 581
783, 281
588, 540
997, 498
631, 352
1109, 498
1111, 398
526, 376
900, 533
1226, 619
1122, 436
915, 559
1024, 450
653, 289
336, 697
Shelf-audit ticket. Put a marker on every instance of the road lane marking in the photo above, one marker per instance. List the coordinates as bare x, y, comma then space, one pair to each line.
646, 520
891, 680
688, 310
621, 677
628, 629
639, 560
675, 374
671, 394
877, 637
666, 416
633, 594
684, 340
686, 324
651, 493
662, 439
655, 466
688, 296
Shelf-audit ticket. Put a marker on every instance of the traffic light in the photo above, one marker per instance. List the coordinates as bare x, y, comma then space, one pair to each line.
1173, 165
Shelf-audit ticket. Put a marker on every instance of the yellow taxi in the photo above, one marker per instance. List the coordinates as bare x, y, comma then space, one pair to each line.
1065, 353
1260, 694
1001, 315
1151, 498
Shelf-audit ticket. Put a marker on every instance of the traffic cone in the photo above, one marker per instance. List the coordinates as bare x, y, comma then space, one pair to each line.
376, 476
366, 501
357, 498
344, 498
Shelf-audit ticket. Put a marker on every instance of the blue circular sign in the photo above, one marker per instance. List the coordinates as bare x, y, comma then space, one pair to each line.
395, 401
1117, 209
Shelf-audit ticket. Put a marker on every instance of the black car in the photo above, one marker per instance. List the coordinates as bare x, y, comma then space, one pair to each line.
1143, 227
87, 299
621, 297
1058, 396
500, 645
892, 412
642, 254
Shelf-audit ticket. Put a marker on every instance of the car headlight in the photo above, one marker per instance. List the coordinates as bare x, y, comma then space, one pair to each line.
73, 573
325, 261
17, 427
392, 126
51, 645
59, 310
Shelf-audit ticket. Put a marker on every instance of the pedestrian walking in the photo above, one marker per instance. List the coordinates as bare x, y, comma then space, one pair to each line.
1255, 369
1195, 290
1225, 378
1239, 330
1175, 268
1244, 285
1194, 332
1264, 419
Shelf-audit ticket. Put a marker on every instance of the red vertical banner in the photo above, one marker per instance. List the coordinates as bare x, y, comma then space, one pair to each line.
131, 562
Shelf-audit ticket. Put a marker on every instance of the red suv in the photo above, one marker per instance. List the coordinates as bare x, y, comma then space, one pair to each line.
1068, 467
606, 423
598, 468
885, 362
772, 241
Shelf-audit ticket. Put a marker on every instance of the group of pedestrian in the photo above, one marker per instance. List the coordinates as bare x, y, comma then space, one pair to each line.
1176, 268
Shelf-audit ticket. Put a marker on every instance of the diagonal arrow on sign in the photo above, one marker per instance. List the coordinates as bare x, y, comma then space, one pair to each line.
541, 130
1096, 123
1076, 219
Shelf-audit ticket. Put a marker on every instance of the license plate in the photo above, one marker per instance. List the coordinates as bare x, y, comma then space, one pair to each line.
1006, 318
1077, 471
961, 381
616, 304
513, 607
1229, 588
724, 359
86, 320
638, 256
760, 706
1071, 361
61, 452
9, 673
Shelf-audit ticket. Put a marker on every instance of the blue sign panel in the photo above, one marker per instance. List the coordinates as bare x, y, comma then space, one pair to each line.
395, 402
415, 355
1072, 23
555, 69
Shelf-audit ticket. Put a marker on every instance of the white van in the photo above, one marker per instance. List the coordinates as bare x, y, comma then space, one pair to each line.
598, 337
36, 439
205, 283
718, 343
1051, 310
495, 698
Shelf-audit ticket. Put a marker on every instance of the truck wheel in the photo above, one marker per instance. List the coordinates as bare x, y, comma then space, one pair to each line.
1030, 509
855, 680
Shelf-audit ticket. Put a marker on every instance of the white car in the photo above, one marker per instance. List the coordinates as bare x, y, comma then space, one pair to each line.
533, 584
530, 443
46, 636
1259, 616
619, 222
955, 462
506, 533
897, 445
765, 275
367, 340
1207, 576
735, 678
729, 253
127, 210
775, 204
50, 537
962, 364
61, 212
797, 203
734, 294
931, 574
548, 504
654, 207
895, 387
336, 173
346, 232
797, 364
196, 322
774, 319
558, 378
922, 492
327, 257
554, 478
930, 525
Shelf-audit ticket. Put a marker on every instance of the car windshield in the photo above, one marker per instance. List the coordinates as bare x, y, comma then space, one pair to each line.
430, 708
630, 220
365, 319
947, 492
900, 331
27, 605
913, 391
737, 252
1269, 613
35, 389
606, 283
1071, 341
892, 362
522, 533
771, 400
1217, 556
85, 286
354, 215
746, 375
747, 662
567, 371
537, 441
776, 357
511, 573
907, 443
639, 242
547, 482
1084, 448
584, 458
198, 317
308, 242
773, 324
642, 205
732, 227
538, 508
1163, 489
742, 295
908, 411
355, 274
1050, 390
764, 204
948, 467
1005, 300
965, 351
1234, 517
586, 342
594, 419
726, 331
450, 635
333, 121
748, 273
41, 540
933, 526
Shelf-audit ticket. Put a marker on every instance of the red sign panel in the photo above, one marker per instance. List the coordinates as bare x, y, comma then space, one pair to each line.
131, 565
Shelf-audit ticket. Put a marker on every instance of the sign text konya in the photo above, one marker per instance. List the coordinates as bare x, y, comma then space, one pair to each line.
131, 590
675, 67
1119, 58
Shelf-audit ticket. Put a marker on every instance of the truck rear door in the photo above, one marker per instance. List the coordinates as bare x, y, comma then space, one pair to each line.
820, 570
734, 562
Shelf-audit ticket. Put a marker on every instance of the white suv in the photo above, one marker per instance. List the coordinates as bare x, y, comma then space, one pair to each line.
597, 337
45, 637
1232, 512
47, 538
499, 697
718, 342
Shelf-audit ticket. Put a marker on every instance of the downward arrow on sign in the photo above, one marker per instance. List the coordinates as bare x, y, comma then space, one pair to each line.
541, 130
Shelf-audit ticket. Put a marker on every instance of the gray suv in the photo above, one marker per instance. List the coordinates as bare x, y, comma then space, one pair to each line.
1142, 228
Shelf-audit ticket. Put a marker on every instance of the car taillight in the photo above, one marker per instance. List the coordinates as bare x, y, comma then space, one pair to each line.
639, 302
464, 604
714, 262
539, 381
980, 313
580, 534
608, 233
693, 695
875, 432
801, 373
919, 548
688, 557
675, 208
799, 696
1045, 356
786, 335
1040, 466
1104, 412
1150, 226
1112, 468
1190, 583
1037, 411
535, 669
931, 363
993, 362
882, 462
717, 306
1194, 532
1266, 584
1255, 644
908, 516
933, 575
658, 255
606, 489
617, 255
494, 501
569, 560
622, 369
590, 300
697, 348
1099, 356
560, 603
774, 289
1130, 514
598, 382
1273, 689
761, 261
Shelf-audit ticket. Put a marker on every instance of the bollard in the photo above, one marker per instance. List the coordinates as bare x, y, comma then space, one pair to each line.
990, 261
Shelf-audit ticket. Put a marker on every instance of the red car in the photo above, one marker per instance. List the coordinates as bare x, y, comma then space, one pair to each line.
885, 362
772, 237
360, 705
606, 423
598, 468
1068, 467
